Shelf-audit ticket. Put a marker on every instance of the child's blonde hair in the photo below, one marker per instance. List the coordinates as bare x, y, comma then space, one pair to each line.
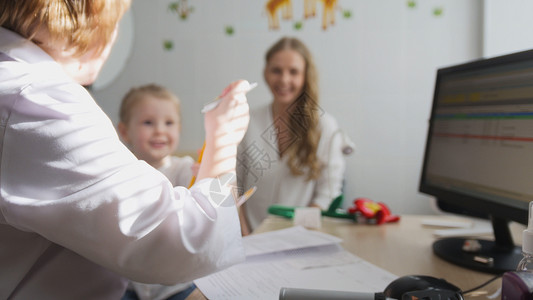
135, 94
81, 24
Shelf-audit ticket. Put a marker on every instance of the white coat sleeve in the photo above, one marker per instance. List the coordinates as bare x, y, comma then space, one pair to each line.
67, 177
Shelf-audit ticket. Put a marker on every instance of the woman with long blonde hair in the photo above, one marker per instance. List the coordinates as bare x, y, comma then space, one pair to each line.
291, 150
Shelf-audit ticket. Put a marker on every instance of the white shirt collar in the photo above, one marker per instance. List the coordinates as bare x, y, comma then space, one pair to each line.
19, 48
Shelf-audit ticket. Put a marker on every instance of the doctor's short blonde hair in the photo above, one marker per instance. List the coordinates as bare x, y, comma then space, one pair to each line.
80, 25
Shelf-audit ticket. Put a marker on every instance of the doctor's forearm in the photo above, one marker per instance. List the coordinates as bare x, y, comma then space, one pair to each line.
218, 159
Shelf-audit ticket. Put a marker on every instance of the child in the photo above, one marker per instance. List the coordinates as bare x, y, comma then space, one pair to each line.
150, 124
79, 213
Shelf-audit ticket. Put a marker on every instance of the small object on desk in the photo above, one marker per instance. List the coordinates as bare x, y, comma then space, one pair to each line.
282, 210
446, 223
334, 210
486, 260
308, 217
373, 211
464, 232
517, 285
471, 245
310, 294
405, 287
422, 287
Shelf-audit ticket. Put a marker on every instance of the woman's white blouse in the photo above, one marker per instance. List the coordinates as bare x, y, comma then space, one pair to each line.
78, 212
259, 164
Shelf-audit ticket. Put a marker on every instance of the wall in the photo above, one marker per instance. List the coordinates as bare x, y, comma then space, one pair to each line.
377, 71
508, 27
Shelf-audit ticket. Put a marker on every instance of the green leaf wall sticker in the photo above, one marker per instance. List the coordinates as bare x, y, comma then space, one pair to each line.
168, 45
277, 10
229, 30
437, 11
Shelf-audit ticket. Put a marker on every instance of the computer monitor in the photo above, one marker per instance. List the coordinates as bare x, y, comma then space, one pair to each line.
479, 153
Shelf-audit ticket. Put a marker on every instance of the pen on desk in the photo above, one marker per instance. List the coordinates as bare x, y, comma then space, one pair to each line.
210, 106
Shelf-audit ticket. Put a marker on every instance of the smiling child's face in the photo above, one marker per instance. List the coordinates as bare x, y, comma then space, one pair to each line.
153, 129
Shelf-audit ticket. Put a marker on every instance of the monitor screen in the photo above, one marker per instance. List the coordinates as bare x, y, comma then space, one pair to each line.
479, 153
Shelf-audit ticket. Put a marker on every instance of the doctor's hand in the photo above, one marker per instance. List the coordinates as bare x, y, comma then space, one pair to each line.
225, 127
228, 121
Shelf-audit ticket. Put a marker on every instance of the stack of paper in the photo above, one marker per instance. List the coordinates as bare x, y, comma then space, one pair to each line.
297, 258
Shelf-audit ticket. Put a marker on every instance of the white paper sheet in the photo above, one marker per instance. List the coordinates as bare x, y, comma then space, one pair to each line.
327, 267
286, 239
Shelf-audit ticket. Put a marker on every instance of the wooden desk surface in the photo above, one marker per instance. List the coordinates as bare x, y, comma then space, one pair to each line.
403, 248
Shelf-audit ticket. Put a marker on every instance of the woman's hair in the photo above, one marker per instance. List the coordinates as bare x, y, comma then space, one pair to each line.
304, 114
82, 24
135, 94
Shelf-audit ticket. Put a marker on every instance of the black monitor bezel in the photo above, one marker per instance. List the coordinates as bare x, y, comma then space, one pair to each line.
456, 202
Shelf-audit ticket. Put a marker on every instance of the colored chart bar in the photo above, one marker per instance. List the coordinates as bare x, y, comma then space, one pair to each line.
485, 137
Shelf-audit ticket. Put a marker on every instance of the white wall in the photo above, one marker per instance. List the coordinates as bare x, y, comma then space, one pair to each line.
508, 26
377, 72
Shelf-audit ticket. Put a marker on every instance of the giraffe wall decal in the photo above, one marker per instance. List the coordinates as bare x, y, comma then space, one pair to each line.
273, 6
328, 13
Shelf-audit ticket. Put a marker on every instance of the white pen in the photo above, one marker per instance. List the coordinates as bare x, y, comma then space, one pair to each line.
211, 105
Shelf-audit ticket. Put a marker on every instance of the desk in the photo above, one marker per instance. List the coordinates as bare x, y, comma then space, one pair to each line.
403, 248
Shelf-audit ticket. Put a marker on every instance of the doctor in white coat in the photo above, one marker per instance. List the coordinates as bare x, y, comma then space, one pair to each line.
78, 212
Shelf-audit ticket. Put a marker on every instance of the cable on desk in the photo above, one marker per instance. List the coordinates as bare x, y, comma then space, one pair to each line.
482, 285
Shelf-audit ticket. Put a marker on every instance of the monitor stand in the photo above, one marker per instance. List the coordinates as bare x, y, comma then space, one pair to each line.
497, 257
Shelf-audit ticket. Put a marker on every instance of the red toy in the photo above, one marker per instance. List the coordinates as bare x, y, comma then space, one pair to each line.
373, 210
